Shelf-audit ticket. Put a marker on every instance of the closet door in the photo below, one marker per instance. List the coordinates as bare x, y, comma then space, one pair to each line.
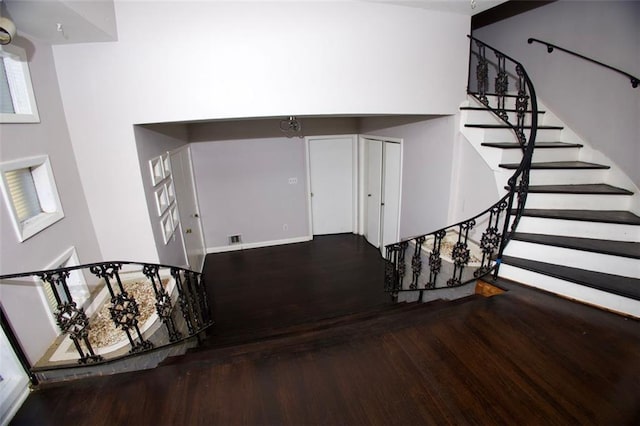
373, 190
392, 179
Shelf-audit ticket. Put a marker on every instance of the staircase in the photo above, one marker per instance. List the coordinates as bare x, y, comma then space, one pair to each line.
578, 236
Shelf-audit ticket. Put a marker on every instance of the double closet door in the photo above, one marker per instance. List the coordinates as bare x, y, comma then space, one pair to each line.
355, 193
382, 192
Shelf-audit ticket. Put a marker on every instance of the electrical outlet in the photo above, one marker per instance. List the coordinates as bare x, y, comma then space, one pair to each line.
293, 181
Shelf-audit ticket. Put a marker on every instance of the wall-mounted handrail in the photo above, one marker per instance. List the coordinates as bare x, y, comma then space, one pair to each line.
635, 81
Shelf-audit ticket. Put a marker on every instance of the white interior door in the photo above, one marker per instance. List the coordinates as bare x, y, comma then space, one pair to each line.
187, 199
331, 184
373, 190
392, 180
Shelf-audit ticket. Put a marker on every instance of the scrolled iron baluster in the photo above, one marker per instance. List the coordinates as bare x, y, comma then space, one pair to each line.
124, 309
460, 254
402, 266
71, 320
501, 86
390, 276
185, 307
435, 261
416, 262
491, 237
201, 287
482, 73
164, 305
522, 103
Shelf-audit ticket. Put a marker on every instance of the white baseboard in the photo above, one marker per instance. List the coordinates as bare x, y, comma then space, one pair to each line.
236, 247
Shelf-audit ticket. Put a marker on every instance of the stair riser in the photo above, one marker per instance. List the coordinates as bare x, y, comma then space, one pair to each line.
570, 290
541, 155
566, 176
578, 201
576, 228
507, 135
589, 261
486, 117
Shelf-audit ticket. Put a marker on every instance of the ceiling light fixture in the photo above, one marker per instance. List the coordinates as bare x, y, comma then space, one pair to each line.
291, 127
7, 30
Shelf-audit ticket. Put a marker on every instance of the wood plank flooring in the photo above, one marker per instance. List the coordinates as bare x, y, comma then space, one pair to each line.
523, 357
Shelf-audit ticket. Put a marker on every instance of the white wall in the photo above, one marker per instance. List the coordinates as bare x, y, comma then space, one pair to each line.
243, 189
598, 104
22, 303
427, 168
151, 142
241, 59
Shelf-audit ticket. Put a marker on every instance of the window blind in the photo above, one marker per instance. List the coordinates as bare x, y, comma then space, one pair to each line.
23, 193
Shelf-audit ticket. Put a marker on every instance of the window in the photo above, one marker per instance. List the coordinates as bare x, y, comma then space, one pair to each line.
17, 101
31, 195
75, 281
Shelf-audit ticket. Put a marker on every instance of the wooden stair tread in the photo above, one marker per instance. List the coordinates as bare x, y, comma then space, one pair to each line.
594, 188
557, 165
615, 284
538, 145
506, 126
605, 216
614, 248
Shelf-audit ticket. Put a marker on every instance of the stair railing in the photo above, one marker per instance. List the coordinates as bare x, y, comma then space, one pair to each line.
461, 253
635, 81
126, 309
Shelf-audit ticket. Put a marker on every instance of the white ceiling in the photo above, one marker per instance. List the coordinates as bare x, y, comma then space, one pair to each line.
462, 7
82, 21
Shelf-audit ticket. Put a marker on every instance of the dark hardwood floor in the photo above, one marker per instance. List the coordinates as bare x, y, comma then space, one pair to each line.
259, 291
522, 357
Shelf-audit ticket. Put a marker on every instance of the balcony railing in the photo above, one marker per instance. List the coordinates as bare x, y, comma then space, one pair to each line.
108, 311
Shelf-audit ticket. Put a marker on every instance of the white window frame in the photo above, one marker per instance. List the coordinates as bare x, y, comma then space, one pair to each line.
69, 258
21, 88
47, 195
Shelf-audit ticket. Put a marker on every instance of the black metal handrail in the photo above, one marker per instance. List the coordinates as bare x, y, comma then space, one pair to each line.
186, 292
501, 218
635, 81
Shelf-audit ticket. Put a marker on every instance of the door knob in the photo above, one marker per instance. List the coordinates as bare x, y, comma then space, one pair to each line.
369, 195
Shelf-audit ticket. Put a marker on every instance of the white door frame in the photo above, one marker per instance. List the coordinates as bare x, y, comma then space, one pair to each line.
355, 179
200, 267
362, 185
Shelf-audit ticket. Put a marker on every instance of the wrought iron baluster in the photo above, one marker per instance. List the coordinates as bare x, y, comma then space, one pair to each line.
416, 262
435, 261
185, 307
501, 86
491, 237
482, 73
460, 254
124, 309
390, 267
205, 310
164, 306
402, 266
522, 103
70, 319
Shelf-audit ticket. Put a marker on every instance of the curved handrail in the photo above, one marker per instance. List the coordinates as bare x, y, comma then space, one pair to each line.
177, 295
635, 81
493, 241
